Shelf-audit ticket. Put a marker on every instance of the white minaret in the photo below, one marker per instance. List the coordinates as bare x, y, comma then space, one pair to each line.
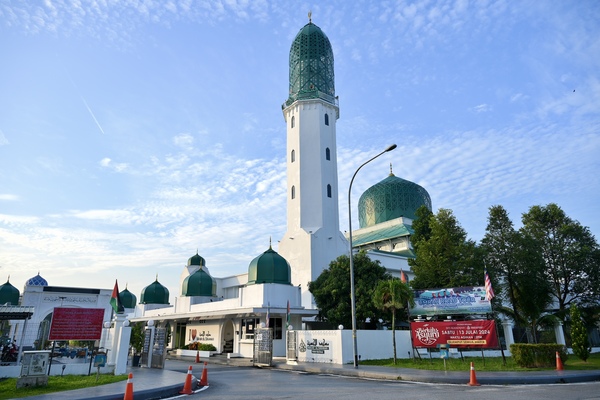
313, 238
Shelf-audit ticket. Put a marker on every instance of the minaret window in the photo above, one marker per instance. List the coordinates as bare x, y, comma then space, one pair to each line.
326, 119
293, 192
293, 121
328, 190
327, 154
293, 155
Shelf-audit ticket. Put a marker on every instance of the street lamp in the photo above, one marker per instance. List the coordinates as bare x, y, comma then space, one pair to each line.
352, 293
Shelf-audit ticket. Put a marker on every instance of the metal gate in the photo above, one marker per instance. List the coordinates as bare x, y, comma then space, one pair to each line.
292, 352
263, 347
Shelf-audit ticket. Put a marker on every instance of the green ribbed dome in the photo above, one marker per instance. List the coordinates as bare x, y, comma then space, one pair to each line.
200, 283
311, 66
128, 299
391, 198
155, 293
269, 267
196, 260
9, 294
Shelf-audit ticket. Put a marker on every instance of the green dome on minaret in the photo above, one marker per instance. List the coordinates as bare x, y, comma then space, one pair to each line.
200, 283
196, 260
269, 267
311, 66
155, 293
128, 299
391, 198
9, 294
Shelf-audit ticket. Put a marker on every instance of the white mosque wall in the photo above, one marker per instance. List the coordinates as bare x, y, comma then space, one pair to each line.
393, 263
336, 346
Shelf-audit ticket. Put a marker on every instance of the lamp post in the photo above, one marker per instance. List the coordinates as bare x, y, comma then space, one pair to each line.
352, 292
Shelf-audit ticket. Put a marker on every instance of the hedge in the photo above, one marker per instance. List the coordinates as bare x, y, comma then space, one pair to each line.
537, 355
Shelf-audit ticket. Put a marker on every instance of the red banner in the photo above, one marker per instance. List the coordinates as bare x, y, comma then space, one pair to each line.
76, 324
480, 334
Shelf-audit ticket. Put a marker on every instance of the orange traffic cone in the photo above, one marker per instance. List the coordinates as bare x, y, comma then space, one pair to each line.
473, 381
197, 356
187, 386
204, 378
129, 388
559, 364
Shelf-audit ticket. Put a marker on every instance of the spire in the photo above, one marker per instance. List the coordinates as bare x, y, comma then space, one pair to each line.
391, 172
270, 248
310, 17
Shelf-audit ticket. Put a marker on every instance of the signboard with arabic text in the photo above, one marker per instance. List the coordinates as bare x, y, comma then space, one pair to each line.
451, 301
461, 334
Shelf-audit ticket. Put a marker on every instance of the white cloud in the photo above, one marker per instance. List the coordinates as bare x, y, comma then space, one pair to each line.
8, 197
482, 108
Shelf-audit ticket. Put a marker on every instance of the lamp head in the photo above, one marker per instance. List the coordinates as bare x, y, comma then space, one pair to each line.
392, 147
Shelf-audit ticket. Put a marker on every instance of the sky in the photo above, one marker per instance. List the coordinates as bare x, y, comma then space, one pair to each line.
134, 133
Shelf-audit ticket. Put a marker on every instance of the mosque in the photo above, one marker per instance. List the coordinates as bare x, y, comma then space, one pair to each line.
225, 311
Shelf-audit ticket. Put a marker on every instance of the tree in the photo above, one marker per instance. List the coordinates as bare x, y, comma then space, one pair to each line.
579, 336
570, 252
444, 256
331, 290
393, 295
514, 262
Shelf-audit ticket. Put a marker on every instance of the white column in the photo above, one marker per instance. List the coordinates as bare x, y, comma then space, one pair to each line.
122, 349
559, 333
508, 333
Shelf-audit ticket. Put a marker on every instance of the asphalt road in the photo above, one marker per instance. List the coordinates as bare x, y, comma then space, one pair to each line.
246, 383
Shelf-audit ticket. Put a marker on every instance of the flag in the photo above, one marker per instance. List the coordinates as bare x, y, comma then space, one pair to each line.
403, 277
287, 315
489, 292
268, 311
115, 300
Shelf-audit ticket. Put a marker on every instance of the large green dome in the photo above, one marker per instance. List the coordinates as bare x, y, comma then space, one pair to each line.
269, 267
9, 294
155, 293
391, 198
311, 66
200, 283
128, 299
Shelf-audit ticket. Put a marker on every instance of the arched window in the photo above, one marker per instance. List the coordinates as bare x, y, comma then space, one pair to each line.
326, 119
293, 192
327, 154
293, 121
328, 190
293, 155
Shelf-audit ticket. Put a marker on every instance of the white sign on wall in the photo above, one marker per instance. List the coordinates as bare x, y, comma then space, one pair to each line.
318, 346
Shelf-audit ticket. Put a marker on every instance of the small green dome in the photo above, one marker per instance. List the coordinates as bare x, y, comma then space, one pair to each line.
128, 299
269, 267
311, 66
391, 198
199, 283
196, 260
155, 293
9, 294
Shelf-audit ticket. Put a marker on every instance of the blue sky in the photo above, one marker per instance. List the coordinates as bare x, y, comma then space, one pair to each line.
134, 132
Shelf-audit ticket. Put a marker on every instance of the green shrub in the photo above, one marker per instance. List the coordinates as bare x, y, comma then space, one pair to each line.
200, 346
537, 355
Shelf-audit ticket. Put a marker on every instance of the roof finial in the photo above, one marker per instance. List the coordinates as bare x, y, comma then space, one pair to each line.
156, 277
391, 173
310, 17
270, 248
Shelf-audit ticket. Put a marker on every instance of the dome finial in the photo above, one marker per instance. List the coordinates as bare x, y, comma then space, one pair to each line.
157, 277
270, 248
310, 17
391, 172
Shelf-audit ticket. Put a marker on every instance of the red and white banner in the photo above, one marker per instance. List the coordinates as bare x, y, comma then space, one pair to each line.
478, 333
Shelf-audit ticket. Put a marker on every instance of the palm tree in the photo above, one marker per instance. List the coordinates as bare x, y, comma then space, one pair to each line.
392, 295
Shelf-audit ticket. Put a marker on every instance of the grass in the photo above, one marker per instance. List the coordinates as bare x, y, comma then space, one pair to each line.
487, 364
8, 386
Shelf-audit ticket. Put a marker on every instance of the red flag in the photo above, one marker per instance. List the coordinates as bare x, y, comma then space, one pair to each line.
403, 277
489, 292
115, 300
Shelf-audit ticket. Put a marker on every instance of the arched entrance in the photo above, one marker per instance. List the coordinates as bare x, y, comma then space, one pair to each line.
228, 336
